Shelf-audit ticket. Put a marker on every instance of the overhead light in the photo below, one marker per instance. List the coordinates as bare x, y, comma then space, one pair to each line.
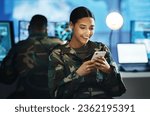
114, 21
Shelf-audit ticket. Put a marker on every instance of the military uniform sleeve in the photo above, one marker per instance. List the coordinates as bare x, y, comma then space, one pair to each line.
112, 82
57, 76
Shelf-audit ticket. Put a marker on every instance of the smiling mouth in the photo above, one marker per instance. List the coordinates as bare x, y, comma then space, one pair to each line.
85, 37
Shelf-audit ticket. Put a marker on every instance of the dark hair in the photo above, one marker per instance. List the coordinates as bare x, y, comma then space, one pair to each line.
80, 12
38, 21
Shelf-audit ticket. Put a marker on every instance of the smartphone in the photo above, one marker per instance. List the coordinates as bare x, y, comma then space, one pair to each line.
98, 54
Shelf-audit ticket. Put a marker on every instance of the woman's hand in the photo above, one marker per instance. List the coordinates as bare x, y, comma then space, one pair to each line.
102, 64
86, 68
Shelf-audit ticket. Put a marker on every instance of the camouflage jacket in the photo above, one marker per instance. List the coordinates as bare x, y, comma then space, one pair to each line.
28, 58
64, 82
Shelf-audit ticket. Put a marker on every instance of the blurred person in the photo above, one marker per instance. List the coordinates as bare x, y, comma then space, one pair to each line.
27, 61
72, 74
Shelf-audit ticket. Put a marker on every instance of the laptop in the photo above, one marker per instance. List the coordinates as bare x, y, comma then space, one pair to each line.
132, 57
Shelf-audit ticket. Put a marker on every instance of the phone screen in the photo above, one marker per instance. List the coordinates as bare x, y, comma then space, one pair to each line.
98, 54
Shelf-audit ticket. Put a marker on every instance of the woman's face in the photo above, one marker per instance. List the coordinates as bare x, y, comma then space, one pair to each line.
83, 29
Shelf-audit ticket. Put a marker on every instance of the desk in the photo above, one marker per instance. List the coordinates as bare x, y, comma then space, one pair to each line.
137, 84
135, 74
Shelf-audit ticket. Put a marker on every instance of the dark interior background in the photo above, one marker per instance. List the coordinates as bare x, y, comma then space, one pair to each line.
59, 10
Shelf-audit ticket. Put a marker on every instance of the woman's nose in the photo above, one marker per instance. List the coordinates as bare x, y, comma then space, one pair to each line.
87, 33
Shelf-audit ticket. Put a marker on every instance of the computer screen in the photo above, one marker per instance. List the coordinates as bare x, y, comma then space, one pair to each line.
6, 37
23, 30
132, 53
62, 30
140, 33
55, 29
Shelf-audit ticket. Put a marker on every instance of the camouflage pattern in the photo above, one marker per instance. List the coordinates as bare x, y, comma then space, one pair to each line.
28, 58
64, 82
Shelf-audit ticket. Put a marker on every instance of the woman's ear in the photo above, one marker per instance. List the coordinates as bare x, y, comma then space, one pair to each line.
29, 29
71, 25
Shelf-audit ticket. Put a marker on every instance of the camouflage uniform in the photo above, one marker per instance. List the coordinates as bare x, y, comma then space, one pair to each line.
28, 61
64, 82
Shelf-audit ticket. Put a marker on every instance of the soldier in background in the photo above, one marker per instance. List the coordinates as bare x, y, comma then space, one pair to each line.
27, 62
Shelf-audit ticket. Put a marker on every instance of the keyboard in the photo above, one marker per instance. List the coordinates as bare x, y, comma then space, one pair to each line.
134, 68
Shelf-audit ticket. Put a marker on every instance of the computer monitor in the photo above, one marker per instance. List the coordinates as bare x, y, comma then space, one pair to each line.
132, 53
23, 30
132, 57
140, 33
55, 29
6, 38
62, 30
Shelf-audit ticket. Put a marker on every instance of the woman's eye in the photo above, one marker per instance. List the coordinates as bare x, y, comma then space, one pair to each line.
82, 27
92, 28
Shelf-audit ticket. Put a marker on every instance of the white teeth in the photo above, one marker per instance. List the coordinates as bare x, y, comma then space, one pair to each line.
84, 36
